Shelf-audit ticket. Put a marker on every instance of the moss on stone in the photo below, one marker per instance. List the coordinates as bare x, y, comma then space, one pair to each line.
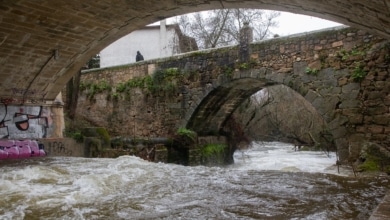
374, 158
99, 132
213, 154
369, 164
184, 132
213, 149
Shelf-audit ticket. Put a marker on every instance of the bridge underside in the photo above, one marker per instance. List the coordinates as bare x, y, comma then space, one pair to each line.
220, 103
44, 43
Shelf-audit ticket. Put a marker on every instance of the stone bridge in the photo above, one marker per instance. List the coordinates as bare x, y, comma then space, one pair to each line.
44, 43
342, 72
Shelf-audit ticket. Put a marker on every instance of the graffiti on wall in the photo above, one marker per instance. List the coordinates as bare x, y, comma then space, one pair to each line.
58, 147
16, 149
23, 121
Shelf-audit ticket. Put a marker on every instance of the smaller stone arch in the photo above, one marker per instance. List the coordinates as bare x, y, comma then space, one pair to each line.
219, 103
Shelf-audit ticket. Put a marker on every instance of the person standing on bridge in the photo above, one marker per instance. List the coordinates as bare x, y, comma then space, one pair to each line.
139, 57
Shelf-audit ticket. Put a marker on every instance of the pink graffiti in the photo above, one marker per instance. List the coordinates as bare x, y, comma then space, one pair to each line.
18, 149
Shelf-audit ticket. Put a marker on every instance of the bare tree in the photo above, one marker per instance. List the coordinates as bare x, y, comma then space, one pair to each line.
222, 27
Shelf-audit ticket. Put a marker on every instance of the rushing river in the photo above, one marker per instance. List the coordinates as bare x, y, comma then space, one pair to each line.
268, 181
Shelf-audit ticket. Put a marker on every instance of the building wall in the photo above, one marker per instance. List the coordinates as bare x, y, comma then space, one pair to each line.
153, 42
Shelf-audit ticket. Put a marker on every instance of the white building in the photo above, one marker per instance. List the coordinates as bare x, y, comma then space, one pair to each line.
152, 41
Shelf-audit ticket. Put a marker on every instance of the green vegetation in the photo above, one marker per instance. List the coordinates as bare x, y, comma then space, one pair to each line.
369, 165
310, 71
186, 133
115, 96
162, 81
94, 88
213, 149
227, 71
354, 52
165, 80
358, 73
77, 136
244, 66
73, 128
84, 85
198, 53
374, 159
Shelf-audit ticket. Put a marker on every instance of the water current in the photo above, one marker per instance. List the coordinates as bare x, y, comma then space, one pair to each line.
267, 181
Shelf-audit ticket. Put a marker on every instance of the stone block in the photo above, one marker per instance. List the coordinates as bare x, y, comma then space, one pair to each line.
349, 95
342, 148
337, 43
372, 103
161, 153
315, 65
300, 68
339, 132
342, 81
340, 120
361, 129
355, 118
354, 150
375, 129
379, 137
349, 103
377, 110
100, 133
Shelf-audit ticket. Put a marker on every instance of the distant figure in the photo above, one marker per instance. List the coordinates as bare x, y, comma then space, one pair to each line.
139, 57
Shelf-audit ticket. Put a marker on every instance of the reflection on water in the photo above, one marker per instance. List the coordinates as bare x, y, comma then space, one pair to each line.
266, 182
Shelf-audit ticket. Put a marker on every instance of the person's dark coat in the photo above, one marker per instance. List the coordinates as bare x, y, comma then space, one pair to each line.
139, 57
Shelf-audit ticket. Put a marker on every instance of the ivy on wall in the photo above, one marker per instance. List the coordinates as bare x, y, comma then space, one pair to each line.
166, 81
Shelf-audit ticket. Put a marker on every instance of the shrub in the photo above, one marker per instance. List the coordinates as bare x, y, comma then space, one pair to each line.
212, 149
358, 73
310, 71
187, 133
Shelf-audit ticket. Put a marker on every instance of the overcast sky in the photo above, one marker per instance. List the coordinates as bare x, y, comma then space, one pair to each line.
295, 23
290, 23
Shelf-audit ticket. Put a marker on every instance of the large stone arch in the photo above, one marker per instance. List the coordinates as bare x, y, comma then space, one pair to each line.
321, 90
44, 43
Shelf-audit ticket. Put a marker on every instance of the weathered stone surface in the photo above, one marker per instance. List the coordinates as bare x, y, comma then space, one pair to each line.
375, 129
349, 103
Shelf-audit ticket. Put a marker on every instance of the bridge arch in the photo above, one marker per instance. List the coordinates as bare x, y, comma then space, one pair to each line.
220, 102
44, 43
223, 98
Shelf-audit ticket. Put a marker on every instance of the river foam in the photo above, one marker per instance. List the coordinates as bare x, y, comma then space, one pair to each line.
264, 183
284, 157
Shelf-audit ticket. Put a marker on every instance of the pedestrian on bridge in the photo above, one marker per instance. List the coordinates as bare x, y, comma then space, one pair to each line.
139, 57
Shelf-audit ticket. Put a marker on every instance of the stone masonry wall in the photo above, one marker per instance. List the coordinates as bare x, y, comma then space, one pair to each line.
344, 73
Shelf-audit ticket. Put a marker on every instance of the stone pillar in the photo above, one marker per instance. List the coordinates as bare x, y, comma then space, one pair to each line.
194, 157
246, 37
163, 39
161, 153
58, 125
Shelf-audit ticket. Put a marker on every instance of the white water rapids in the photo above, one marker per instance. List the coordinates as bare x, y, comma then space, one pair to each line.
268, 181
